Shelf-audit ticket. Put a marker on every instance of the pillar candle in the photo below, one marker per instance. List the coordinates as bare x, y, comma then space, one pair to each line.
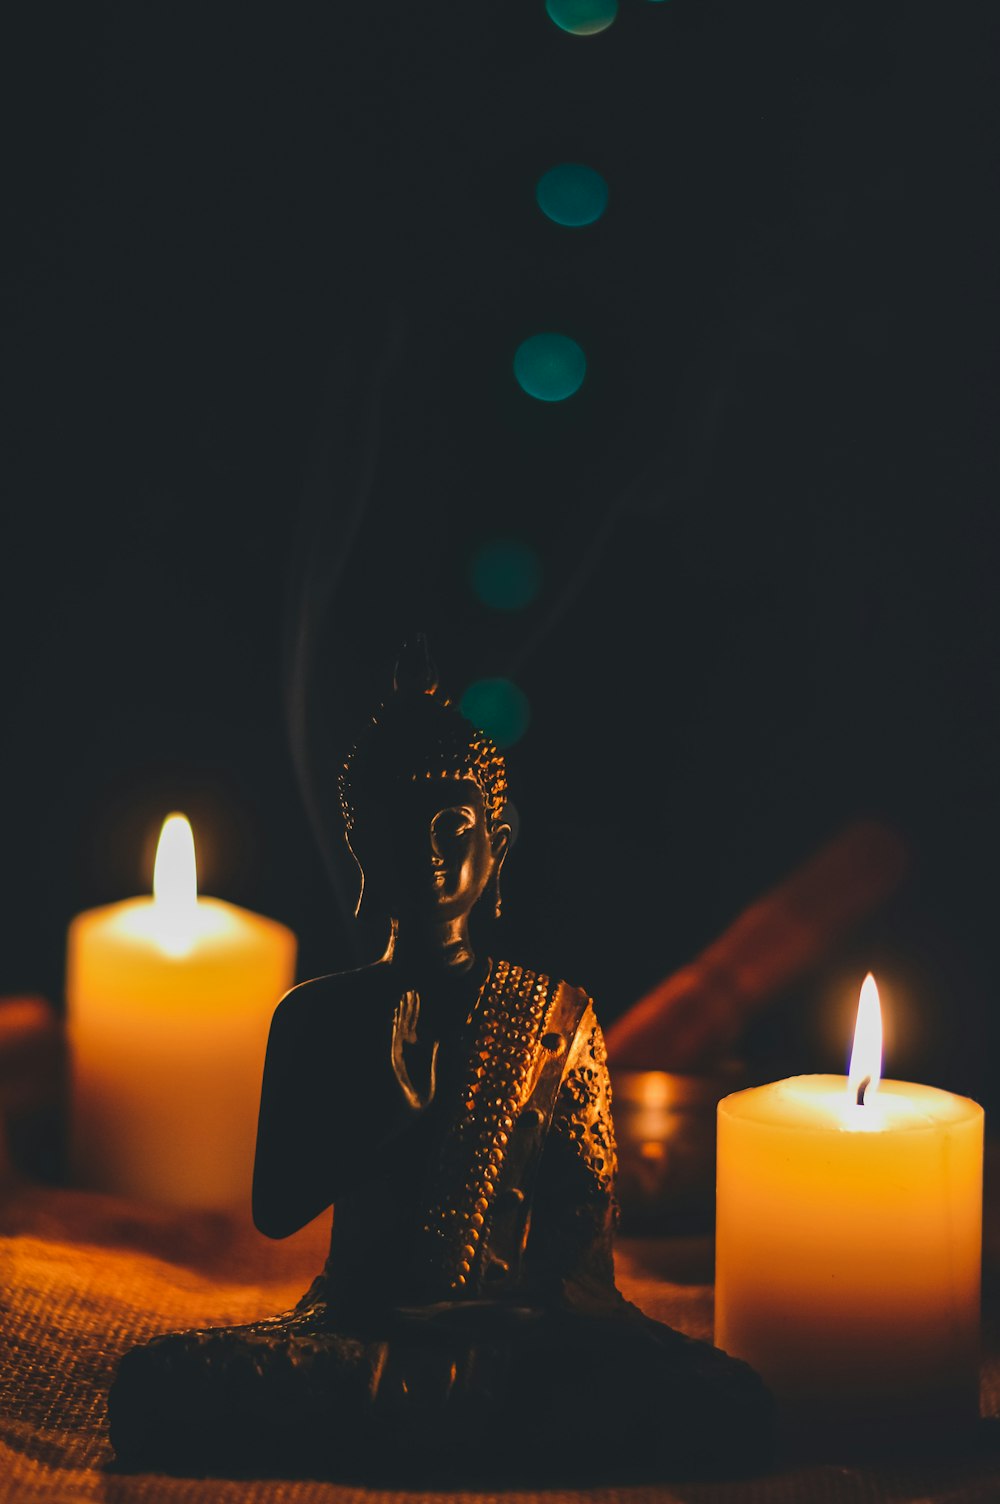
848, 1249
169, 1001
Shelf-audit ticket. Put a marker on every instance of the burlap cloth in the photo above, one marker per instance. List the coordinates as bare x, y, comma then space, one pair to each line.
82, 1277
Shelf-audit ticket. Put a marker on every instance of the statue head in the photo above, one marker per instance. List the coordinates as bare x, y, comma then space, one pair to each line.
423, 795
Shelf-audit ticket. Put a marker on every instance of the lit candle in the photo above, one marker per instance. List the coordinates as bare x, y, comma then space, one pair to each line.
169, 1001
848, 1245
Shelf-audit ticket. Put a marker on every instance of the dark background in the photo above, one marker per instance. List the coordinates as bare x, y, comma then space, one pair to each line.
267, 269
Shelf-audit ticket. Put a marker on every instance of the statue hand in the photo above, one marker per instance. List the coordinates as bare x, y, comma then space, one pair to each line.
404, 1032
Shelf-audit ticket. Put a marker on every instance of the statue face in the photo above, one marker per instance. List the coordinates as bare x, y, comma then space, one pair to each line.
434, 855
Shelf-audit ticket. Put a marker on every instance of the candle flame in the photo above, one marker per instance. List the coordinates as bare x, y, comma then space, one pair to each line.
866, 1056
175, 885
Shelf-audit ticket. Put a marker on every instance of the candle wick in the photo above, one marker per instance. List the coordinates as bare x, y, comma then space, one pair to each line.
862, 1088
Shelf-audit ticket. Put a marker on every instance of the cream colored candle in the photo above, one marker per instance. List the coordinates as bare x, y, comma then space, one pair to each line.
169, 1003
848, 1247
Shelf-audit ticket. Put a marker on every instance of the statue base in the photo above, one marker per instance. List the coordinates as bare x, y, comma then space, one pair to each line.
463, 1393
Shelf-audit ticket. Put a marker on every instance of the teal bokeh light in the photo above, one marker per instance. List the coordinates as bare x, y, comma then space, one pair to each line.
550, 367
583, 18
497, 707
572, 194
506, 574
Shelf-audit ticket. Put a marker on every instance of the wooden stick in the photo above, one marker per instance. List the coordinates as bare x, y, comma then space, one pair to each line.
696, 1015
32, 1055
32, 1087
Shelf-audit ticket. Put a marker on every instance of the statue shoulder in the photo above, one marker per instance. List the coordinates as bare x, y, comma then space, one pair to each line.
346, 1006
567, 1009
573, 1012
518, 974
332, 993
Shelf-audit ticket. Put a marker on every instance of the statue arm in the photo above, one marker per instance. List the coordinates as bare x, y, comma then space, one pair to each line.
582, 1117
290, 1185
330, 1101
575, 1212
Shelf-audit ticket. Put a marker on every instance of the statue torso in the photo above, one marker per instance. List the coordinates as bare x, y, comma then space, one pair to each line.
468, 1147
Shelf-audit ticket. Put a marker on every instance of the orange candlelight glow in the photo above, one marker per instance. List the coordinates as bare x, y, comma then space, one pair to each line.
850, 1222
170, 999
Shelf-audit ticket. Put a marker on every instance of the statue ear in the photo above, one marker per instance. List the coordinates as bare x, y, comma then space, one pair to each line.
500, 844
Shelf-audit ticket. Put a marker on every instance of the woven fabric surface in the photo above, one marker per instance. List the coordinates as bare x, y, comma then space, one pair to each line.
83, 1277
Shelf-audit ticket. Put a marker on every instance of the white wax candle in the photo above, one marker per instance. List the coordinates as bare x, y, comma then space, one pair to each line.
169, 1003
848, 1250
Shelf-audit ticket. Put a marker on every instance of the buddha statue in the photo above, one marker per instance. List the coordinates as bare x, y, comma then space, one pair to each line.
456, 1112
